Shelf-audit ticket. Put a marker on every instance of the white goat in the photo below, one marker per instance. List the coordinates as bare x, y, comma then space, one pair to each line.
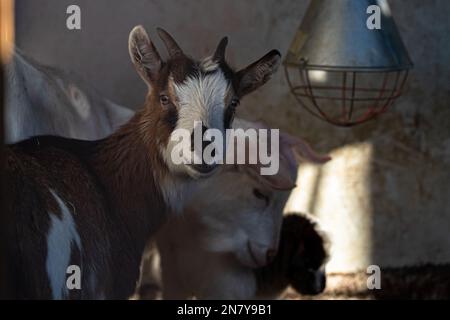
230, 227
42, 100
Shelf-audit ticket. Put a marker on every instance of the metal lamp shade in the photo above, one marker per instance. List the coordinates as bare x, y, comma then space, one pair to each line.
340, 70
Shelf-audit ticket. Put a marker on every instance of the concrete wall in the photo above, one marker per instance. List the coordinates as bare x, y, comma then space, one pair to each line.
385, 198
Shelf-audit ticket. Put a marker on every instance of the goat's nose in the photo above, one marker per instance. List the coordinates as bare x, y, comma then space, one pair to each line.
320, 282
204, 143
323, 281
270, 255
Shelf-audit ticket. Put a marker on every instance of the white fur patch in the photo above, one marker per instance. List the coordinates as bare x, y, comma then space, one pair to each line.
209, 65
175, 192
61, 235
202, 98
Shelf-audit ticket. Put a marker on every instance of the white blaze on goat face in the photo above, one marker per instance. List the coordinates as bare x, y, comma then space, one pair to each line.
61, 236
201, 100
201, 97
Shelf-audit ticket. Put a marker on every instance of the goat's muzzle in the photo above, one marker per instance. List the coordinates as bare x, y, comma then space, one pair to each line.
204, 169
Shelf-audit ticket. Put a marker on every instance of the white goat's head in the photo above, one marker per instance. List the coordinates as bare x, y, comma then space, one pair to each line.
241, 211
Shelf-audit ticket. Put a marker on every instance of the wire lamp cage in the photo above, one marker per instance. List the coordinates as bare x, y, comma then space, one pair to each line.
342, 70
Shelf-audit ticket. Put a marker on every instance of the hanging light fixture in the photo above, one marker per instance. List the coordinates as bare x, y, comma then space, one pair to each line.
340, 68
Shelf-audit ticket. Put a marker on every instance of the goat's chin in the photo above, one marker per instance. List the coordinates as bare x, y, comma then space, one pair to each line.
191, 171
247, 257
247, 261
196, 174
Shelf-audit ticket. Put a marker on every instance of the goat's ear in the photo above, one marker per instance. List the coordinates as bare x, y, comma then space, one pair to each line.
144, 55
282, 180
219, 55
302, 149
258, 73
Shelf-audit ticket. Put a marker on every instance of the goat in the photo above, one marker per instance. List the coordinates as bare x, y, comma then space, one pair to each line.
42, 100
299, 262
94, 204
230, 227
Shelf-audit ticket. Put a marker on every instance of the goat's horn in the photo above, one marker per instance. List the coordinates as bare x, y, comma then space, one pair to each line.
172, 47
219, 55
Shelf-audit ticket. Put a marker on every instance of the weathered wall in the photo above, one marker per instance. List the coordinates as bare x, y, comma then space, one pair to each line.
385, 198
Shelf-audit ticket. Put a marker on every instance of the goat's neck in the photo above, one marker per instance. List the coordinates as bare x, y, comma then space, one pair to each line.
131, 171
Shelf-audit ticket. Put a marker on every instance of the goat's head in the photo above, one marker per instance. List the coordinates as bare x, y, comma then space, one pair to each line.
243, 210
240, 215
185, 93
306, 270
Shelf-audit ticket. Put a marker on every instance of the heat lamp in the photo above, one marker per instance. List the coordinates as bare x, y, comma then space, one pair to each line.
347, 63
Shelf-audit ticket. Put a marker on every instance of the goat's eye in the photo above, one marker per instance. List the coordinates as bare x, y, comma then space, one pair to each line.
230, 111
234, 103
229, 114
258, 194
164, 99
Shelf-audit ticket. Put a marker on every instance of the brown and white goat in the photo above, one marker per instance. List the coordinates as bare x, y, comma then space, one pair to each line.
94, 204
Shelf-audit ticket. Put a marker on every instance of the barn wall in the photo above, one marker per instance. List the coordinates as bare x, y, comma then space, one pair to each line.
384, 198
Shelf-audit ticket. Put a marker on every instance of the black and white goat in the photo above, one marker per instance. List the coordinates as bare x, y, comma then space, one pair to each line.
42, 100
299, 262
94, 204
229, 229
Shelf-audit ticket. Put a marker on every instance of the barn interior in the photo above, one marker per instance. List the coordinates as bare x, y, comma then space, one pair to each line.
383, 199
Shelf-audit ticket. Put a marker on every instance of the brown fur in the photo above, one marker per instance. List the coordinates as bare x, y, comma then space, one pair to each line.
114, 190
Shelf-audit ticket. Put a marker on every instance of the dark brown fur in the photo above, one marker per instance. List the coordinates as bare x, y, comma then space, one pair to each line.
113, 187
301, 248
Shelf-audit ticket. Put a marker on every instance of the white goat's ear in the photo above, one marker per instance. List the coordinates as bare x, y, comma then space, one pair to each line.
144, 55
302, 149
258, 73
282, 180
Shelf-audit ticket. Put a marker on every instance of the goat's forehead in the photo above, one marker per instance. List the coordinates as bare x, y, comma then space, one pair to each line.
182, 70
